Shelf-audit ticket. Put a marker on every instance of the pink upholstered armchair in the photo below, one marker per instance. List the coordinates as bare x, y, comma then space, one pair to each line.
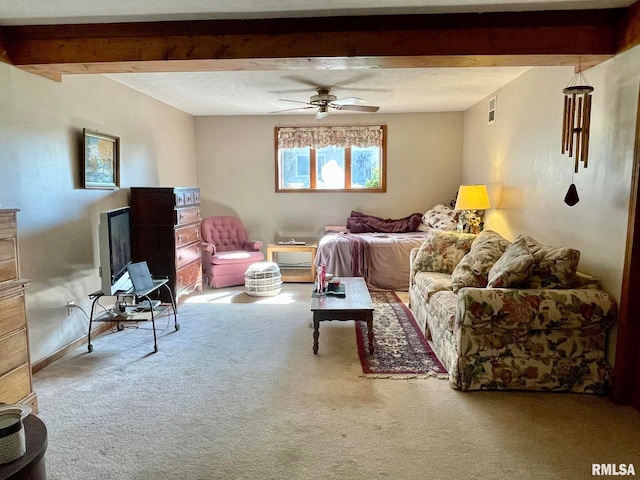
226, 251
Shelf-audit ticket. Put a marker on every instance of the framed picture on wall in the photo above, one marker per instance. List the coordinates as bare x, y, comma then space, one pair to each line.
101, 159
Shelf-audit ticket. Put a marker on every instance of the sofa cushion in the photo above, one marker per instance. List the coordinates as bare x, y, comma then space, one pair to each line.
513, 267
236, 256
554, 267
428, 283
473, 269
582, 280
444, 305
442, 251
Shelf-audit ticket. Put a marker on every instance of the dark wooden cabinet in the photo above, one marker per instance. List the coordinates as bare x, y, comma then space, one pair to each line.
15, 363
165, 226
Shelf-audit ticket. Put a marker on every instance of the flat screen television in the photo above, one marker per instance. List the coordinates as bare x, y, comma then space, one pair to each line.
114, 238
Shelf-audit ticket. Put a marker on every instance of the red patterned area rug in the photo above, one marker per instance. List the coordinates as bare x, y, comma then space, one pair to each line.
400, 349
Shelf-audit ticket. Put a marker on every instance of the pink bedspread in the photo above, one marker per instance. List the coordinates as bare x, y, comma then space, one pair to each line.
381, 258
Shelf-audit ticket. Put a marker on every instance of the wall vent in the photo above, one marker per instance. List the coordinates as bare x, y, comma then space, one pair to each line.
492, 110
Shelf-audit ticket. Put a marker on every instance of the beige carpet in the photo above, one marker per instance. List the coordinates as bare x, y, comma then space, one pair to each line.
238, 394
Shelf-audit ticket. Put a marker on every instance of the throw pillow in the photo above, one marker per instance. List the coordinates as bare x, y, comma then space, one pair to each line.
473, 269
441, 217
442, 251
555, 267
513, 267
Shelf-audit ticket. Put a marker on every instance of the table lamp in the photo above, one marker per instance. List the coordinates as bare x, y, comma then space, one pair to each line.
472, 198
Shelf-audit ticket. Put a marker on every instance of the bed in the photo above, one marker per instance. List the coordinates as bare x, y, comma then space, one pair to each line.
378, 249
381, 258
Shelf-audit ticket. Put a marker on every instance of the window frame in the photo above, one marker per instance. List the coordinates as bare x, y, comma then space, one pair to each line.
347, 167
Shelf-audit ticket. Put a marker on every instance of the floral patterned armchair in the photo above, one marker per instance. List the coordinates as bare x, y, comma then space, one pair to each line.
516, 316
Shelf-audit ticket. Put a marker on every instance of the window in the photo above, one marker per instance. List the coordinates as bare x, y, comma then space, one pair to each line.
329, 159
295, 166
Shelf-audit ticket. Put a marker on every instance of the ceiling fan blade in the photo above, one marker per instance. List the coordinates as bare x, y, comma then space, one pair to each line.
356, 108
293, 109
348, 101
302, 80
292, 101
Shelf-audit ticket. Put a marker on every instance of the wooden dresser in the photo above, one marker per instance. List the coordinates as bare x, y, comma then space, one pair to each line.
165, 226
15, 363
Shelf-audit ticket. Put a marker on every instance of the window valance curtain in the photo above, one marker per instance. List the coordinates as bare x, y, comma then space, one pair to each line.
319, 137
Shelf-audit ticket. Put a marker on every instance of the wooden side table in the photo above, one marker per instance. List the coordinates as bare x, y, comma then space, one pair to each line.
292, 274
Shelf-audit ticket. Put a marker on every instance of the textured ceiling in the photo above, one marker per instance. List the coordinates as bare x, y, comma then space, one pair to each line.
24, 12
262, 92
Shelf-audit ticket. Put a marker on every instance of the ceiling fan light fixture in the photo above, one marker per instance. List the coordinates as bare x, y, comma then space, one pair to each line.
323, 111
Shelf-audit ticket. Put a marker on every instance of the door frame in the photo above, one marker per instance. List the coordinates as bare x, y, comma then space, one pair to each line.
626, 376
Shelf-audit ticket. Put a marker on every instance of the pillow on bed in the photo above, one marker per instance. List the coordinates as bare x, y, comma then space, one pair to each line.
441, 217
473, 269
442, 251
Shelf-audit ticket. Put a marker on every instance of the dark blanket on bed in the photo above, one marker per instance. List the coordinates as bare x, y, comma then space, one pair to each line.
359, 222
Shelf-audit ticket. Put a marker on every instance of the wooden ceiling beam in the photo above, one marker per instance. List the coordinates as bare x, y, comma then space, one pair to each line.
56, 71
629, 29
4, 52
584, 37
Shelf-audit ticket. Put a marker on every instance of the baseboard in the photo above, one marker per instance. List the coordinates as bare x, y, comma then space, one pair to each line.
58, 354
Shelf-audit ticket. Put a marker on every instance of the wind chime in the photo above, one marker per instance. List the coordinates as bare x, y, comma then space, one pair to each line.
575, 127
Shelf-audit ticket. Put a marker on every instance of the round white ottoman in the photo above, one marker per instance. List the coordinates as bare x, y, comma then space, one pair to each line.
263, 279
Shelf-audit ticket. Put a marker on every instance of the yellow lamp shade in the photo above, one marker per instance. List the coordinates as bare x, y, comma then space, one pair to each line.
472, 197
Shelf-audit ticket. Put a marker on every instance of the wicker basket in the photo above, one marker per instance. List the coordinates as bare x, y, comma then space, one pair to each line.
12, 436
263, 279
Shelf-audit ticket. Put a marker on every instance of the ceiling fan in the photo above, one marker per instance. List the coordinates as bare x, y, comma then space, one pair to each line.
324, 101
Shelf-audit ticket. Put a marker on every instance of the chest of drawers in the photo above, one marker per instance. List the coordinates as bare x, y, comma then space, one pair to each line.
15, 364
165, 227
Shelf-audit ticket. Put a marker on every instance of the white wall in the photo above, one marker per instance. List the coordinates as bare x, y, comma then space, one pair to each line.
236, 172
519, 159
41, 124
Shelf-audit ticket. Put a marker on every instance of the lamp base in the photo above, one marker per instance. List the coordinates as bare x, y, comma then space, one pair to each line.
469, 221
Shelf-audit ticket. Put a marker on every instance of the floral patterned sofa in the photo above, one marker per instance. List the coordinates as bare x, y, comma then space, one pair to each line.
505, 315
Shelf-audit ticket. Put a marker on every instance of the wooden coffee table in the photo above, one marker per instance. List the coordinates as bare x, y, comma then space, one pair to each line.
355, 305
